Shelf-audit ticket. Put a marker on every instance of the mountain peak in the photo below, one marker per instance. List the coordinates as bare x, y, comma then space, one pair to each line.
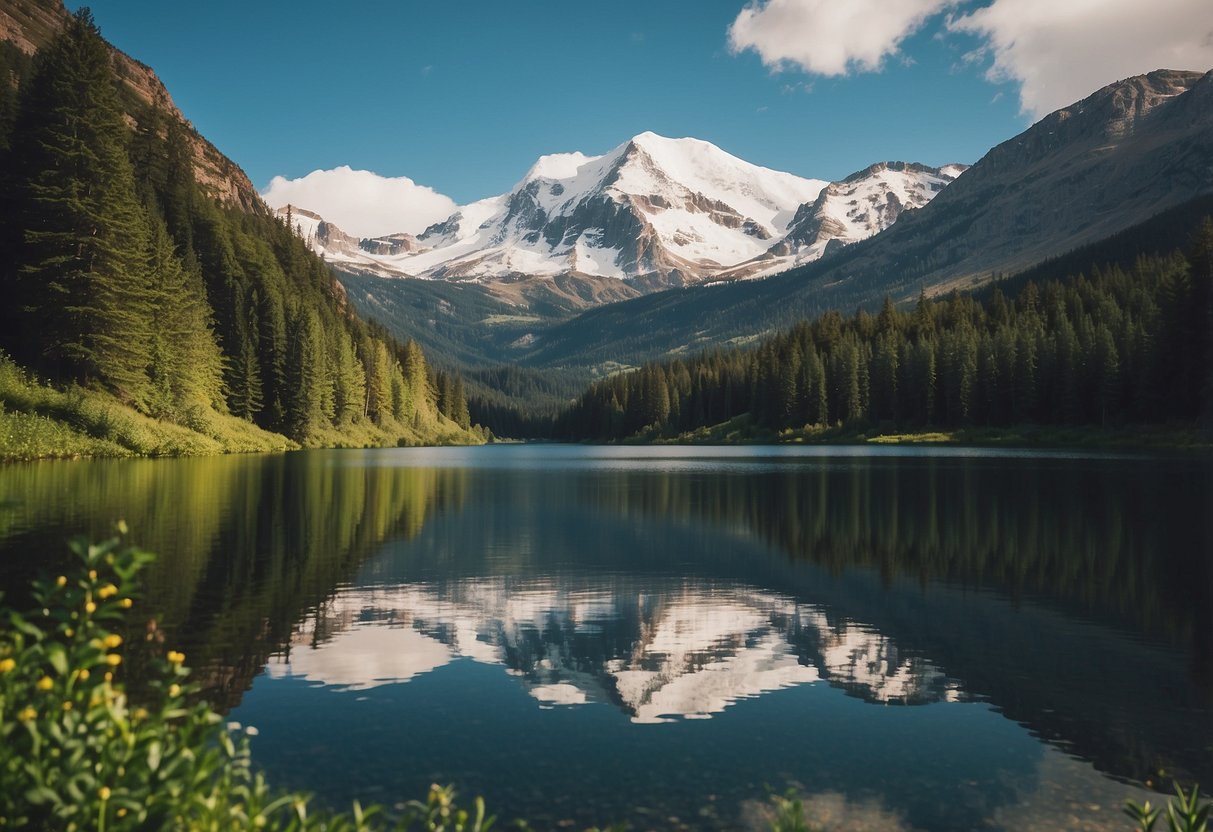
558, 165
652, 142
1112, 111
654, 211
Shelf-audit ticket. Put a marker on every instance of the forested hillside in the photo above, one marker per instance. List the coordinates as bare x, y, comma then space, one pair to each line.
1113, 347
122, 277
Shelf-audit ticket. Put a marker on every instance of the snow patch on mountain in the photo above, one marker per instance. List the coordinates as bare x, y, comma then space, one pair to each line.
654, 211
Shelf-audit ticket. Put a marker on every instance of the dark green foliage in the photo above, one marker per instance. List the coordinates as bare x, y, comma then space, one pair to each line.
13, 65
452, 401
121, 273
77, 271
658, 324
1118, 347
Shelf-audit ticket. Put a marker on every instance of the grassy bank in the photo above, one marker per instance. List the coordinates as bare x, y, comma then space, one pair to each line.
39, 421
743, 431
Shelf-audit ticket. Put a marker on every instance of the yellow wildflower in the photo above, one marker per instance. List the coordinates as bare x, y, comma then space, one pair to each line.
113, 660
109, 677
7, 664
175, 658
92, 574
69, 632
26, 714
90, 608
174, 690
107, 591
67, 706
46, 683
104, 792
126, 603
122, 812
113, 640
61, 581
140, 713
82, 674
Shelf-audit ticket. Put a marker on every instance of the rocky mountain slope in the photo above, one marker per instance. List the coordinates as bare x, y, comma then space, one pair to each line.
1128, 152
653, 213
28, 25
1118, 157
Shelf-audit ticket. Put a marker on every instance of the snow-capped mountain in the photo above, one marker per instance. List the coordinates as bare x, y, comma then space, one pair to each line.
865, 203
654, 212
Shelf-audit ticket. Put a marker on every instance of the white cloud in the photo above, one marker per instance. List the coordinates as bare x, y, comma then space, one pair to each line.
1060, 51
829, 37
362, 203
1057, 51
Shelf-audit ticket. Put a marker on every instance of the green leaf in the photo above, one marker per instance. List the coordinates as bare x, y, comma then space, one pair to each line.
41, 796
19, 623
57, 656
153, 755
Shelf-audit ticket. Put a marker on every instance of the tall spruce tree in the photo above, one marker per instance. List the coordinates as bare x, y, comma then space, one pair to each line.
78, 274
186, 367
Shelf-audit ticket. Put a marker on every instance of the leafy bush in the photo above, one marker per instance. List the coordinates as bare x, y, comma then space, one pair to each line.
1184, 813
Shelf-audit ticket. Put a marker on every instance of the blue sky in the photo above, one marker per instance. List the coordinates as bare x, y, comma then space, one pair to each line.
463, 96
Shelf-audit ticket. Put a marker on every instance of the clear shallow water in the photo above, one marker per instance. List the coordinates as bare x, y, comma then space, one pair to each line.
915, 639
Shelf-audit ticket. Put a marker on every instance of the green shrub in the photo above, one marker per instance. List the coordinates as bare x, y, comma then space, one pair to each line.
1184, 813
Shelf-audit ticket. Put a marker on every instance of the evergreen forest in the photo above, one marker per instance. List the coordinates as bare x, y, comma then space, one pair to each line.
123, 277
1111, 348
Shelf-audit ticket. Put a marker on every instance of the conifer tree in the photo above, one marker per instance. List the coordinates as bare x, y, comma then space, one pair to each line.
304, 373
79, 280
186, 367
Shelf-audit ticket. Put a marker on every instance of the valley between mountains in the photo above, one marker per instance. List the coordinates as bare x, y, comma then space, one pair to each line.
657, 250
666, 247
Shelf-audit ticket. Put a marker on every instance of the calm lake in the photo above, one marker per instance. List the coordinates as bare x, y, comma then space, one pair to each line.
911, 638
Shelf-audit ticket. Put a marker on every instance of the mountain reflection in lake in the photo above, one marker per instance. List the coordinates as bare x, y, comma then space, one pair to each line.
656, 648
660, 635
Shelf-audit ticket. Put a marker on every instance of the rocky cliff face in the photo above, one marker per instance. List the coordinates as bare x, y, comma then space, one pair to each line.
29, 24
853, 209
1118, 157
863, 204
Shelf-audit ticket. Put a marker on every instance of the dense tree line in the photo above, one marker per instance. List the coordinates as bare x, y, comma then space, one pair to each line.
1113, 347
521, 402
119, 272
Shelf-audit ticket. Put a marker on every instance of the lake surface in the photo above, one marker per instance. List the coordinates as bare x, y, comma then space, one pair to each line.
911, 638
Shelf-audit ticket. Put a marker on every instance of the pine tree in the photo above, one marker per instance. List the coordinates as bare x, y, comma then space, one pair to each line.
243, 377
350, 381
459, 404
79, 284
305, 350
186, 367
